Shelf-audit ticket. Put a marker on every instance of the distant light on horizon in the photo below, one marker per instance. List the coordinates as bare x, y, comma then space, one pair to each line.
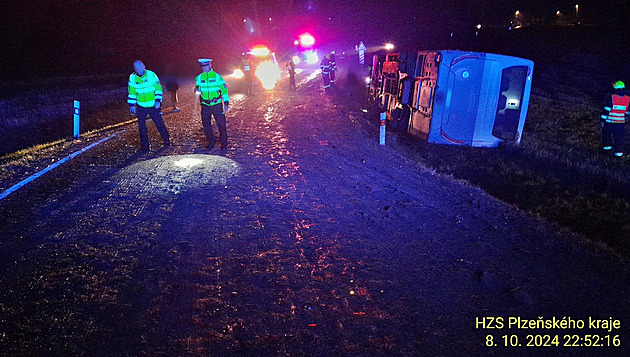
479, 27
389, 46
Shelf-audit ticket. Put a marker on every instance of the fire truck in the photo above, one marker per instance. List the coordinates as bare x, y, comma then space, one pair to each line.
453, 97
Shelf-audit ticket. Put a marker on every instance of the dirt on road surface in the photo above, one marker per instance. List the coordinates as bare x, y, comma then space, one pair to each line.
304, 238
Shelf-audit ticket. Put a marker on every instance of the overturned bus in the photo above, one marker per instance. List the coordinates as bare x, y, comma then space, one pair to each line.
454, 97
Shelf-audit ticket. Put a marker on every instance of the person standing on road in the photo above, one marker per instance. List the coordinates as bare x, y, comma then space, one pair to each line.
212, 92
171, 82
614, 120
291, 69
145, 98
247, 73
325, 66
333, 68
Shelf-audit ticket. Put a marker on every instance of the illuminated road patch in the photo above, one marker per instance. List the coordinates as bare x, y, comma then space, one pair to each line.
177, 174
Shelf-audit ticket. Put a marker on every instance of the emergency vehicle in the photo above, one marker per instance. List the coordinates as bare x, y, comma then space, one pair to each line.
454, 97
263, 65
306, 53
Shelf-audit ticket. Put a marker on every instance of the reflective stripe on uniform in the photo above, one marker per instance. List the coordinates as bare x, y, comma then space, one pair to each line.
617, 113
144, 90
212, 88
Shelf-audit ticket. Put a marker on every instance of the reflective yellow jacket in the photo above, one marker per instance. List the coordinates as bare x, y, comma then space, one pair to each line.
144, 90
212, 88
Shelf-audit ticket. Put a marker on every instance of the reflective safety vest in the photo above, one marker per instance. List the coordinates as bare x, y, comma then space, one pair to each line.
617, 114
333, 63
325, 66
144, 90
212, 88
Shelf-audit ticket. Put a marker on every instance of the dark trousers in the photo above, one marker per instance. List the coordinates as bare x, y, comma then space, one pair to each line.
614, 134
326, 78
174, 98
332, 76
248, 81
142, 125
216, 111
292, 80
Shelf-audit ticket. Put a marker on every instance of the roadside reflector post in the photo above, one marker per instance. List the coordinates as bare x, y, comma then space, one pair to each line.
382, 136
77, 114
361, 48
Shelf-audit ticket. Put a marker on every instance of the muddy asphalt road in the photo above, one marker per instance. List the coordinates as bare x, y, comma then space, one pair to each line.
304, 238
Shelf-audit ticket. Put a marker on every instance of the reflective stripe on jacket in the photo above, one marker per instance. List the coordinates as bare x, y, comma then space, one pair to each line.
617, 113
212, 88
325, 66
144, 90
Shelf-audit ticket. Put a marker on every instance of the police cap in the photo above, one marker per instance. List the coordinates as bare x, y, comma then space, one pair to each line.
204, 61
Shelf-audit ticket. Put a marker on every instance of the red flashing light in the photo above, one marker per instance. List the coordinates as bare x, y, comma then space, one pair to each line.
307, 40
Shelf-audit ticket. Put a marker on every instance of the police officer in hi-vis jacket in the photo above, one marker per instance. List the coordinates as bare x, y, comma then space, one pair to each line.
145, 98
213, 95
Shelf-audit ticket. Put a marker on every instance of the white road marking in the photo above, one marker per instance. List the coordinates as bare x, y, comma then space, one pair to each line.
22, 183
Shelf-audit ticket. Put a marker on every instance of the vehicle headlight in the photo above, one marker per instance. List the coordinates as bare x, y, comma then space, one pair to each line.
268, 73
238, 74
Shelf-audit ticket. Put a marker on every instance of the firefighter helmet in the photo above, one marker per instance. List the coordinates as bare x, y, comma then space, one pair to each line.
619, 85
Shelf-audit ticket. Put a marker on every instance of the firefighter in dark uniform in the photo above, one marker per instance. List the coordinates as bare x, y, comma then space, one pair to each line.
614, 120
291, 69
215, 101
325, 66
247, 71
333, 68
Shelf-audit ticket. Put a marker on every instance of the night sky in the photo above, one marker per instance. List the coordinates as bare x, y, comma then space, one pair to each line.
65, 37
